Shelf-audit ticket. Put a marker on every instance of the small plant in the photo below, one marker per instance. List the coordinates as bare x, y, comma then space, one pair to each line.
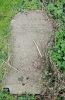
56, 10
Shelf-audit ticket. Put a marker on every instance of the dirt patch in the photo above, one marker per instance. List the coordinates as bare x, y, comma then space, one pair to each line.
27, 28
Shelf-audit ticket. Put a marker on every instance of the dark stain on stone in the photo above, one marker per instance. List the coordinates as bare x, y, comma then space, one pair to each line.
23, 84
27, 78
20, 79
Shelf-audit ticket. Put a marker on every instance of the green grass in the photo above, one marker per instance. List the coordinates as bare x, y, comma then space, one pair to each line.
8, 8
26, 97
6, 96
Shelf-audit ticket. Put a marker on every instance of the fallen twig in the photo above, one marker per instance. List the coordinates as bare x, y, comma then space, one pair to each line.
2, 64
37, 49
8, 59
11, 66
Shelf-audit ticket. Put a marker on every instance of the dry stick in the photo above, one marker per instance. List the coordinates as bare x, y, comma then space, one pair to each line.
8, 59
2, 64
11, 66
37, 49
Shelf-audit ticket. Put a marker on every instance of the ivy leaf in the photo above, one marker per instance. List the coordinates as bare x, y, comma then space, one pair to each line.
59, 51
64, 58
63, 64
